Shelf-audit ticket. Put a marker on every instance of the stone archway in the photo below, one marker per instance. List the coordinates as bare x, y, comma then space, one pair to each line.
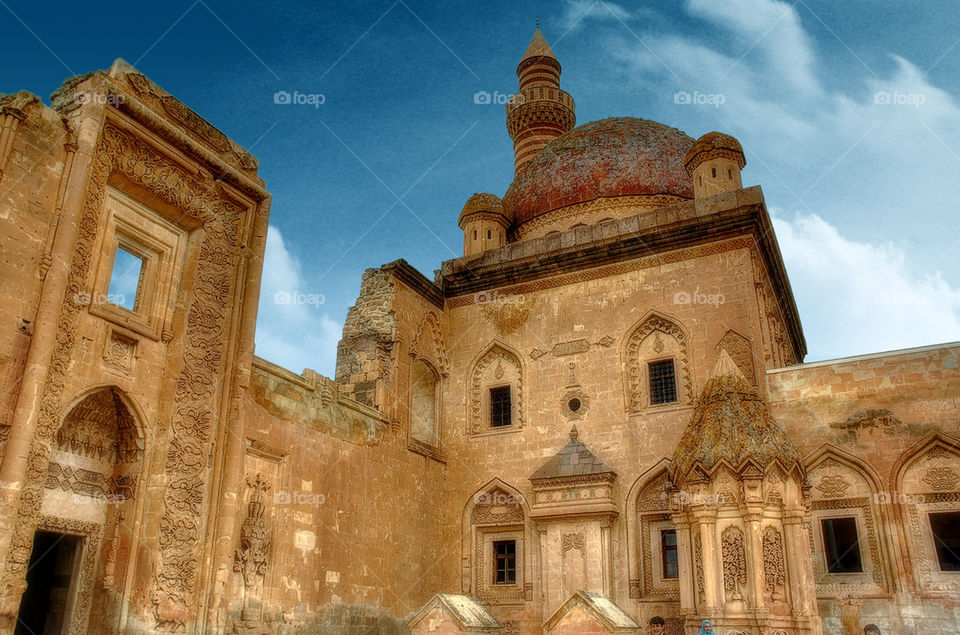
89, 495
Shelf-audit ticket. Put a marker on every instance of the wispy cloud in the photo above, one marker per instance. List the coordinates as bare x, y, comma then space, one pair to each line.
293, 328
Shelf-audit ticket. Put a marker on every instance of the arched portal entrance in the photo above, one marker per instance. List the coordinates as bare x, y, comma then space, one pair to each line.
84, 538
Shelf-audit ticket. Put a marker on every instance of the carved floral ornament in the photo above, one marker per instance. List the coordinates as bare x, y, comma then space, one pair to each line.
192, 421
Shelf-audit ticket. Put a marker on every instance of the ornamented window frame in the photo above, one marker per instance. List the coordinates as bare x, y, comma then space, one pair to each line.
636, 375
917, 506
161, 245
478, 404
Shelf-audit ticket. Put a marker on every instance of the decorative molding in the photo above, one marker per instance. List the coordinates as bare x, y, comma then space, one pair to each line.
941, 478
637, 389
833, 486
495, 354
92, 535
572, 541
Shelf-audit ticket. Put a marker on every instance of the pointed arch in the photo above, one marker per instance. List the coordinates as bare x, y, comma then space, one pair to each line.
941, 445
656, 336
428, 343
496, 511
648, 507
844, 485
927, 481
496, 366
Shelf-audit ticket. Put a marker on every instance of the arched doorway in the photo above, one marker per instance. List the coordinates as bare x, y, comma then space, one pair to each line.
83, 540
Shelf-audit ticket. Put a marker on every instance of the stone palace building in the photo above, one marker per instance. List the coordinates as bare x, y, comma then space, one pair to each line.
598, 414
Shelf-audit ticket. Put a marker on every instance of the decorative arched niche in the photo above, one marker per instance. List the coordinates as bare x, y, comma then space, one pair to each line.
495, 514
497, 372
928, 493
844, 489
91, 488
424, 404
647, 523
656, 338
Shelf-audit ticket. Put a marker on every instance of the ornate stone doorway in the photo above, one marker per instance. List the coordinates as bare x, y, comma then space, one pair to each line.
48, 602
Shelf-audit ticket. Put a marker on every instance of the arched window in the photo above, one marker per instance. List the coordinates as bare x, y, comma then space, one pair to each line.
496, 391
494, 546
713, 172
657, 365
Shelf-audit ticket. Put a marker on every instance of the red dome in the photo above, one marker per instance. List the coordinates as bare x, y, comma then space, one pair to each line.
620, 156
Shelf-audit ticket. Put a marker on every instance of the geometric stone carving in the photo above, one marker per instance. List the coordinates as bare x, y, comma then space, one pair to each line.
665, 334
941, 478
833, 486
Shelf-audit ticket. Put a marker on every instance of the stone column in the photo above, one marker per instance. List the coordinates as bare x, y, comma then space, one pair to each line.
685, 565
13, 471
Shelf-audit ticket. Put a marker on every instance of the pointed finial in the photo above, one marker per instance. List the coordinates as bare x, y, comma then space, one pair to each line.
538, 21
573, 432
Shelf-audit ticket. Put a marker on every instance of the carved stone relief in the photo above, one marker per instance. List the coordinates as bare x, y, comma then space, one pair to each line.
734, 563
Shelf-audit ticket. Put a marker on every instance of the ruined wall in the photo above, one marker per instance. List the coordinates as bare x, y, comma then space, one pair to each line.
32, 160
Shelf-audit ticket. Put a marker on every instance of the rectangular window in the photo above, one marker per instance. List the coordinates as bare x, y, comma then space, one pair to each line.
841, 545
663, 382
946, 539
500, 407
125, 279
668, 553
505, 562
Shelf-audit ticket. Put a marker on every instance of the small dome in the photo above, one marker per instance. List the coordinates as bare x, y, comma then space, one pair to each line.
714, 144
619, 156
482, 202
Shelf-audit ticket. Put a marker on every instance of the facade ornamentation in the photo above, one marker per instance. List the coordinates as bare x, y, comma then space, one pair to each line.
734, 563
498, 357
636, 372
774, 570
572, 541
250, 561
941, 478
833, 486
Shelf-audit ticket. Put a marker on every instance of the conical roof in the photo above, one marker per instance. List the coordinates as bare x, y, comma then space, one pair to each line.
574, 459
538, 47
731, 423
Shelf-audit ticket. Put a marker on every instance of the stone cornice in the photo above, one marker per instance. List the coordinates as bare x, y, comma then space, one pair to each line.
416, 281
650, 233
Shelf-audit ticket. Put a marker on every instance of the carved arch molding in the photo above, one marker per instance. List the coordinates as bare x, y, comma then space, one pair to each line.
120, 153
658, 326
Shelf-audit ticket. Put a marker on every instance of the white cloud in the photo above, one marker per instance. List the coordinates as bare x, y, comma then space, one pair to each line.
577, 12
292, 328
860, 298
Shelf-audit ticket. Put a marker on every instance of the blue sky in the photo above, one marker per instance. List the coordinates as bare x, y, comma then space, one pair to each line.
849, 113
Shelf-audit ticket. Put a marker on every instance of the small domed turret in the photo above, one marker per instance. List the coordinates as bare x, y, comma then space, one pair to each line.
484, 223
714, 162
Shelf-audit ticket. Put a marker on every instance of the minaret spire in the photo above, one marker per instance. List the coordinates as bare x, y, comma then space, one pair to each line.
540, 111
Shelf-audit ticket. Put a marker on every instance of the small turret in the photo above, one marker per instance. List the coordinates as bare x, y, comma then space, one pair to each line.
540, 111
484, 224
714, 162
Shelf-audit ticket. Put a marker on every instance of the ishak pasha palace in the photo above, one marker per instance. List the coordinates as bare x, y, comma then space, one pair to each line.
552, 434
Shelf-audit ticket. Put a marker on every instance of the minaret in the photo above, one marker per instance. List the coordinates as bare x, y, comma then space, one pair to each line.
540, 111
